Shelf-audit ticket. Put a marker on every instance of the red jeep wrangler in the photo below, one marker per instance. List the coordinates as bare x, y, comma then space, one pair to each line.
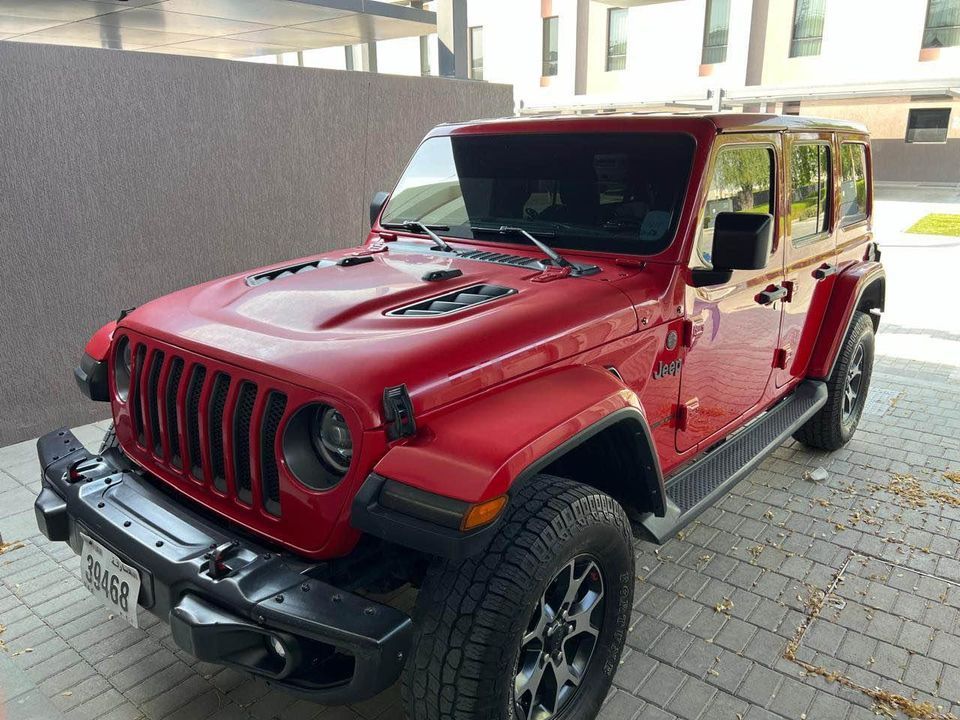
559, 333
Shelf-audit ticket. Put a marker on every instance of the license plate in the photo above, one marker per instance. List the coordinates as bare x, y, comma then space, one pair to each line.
109, 578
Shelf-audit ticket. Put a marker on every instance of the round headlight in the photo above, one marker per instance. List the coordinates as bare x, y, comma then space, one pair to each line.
317, 446
331, 439
122, 367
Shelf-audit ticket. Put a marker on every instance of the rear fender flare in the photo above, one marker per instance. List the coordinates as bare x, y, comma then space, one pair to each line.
480, 449
865, 281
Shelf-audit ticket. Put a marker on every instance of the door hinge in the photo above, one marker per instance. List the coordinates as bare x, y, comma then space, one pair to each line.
686, 411
780, 357
692, 329
789, 285
398, 413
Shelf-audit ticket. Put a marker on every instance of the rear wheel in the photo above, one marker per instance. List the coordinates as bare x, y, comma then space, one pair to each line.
533, 628
836, 422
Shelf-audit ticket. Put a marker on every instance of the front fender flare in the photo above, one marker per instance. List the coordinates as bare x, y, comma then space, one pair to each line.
478, 450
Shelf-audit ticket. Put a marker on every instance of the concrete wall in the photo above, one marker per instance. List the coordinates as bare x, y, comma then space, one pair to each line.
124, 176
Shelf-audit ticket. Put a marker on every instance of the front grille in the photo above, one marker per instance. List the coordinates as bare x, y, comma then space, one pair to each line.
207, 426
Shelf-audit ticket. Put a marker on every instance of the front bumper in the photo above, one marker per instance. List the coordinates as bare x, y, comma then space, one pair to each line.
228, 600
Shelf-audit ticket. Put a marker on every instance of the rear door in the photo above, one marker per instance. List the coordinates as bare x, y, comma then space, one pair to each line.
810, 246
733, 336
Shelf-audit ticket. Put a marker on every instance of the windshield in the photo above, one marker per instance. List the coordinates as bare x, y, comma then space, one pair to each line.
618, 192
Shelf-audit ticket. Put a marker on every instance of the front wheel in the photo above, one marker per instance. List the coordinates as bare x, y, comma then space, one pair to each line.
533, 628
836, 422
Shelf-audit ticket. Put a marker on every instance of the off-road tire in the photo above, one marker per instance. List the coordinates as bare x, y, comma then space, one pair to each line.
109, 440
471, 615
828, 429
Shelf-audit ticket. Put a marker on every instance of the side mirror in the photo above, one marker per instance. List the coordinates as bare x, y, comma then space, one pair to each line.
741, 241
376, 205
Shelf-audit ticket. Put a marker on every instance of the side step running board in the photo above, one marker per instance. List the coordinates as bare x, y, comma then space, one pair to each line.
697, 486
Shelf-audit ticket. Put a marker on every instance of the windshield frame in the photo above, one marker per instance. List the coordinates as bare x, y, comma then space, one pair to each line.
570, 238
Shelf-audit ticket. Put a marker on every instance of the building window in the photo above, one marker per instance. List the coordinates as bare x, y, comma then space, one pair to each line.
853, 183
810, 191
475, 52
743, 181
943, 24
928, 125
791, 107
715, 32
807, 27
550, 45
616, 39
424, 54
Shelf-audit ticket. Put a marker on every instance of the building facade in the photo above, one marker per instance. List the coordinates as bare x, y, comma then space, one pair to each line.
892, 64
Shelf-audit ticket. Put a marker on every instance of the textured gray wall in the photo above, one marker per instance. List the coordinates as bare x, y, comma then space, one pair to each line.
899, 161
124, 176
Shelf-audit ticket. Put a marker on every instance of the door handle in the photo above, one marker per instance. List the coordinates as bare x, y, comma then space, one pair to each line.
772, 294
824, 271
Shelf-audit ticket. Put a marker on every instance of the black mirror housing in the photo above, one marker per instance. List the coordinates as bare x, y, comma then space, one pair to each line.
376, 205
742, 241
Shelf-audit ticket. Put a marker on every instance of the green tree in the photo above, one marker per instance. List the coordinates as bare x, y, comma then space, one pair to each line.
745, 171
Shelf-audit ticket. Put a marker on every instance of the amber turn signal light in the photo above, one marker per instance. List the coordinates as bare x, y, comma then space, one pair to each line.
483, 513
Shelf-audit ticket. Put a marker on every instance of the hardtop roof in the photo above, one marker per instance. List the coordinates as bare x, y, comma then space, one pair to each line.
721, 122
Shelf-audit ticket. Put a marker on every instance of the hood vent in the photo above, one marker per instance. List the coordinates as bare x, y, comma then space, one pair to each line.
283, 272
501, 258
455, 301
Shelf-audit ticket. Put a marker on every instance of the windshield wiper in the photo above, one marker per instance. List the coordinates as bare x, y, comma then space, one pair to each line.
554, 256
428, 230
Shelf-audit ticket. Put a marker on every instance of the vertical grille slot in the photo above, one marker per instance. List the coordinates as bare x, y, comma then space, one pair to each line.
136, 392
218, 400
152, 399
170, 405
242, 415
193, 420
269, 472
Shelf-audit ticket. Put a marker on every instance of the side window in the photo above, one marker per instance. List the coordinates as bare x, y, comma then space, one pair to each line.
810, 191
853, 183
742, 182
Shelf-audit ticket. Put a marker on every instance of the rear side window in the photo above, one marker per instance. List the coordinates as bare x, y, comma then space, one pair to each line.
742, 182
853, 183
810, 191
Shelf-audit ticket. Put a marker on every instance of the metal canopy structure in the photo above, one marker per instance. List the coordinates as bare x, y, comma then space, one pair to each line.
227, 29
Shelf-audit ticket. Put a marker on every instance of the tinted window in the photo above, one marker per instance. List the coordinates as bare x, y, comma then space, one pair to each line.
810, 191
742, 182
928, 125
602, 191
853, 183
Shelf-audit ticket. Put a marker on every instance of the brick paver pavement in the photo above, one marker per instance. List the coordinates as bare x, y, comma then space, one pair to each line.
789, 599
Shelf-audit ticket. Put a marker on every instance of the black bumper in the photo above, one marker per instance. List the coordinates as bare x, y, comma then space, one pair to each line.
338, 647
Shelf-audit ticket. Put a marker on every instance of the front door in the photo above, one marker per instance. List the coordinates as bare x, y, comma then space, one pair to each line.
732, 335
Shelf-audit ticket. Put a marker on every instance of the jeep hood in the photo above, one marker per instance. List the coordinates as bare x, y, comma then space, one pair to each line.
330, 329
